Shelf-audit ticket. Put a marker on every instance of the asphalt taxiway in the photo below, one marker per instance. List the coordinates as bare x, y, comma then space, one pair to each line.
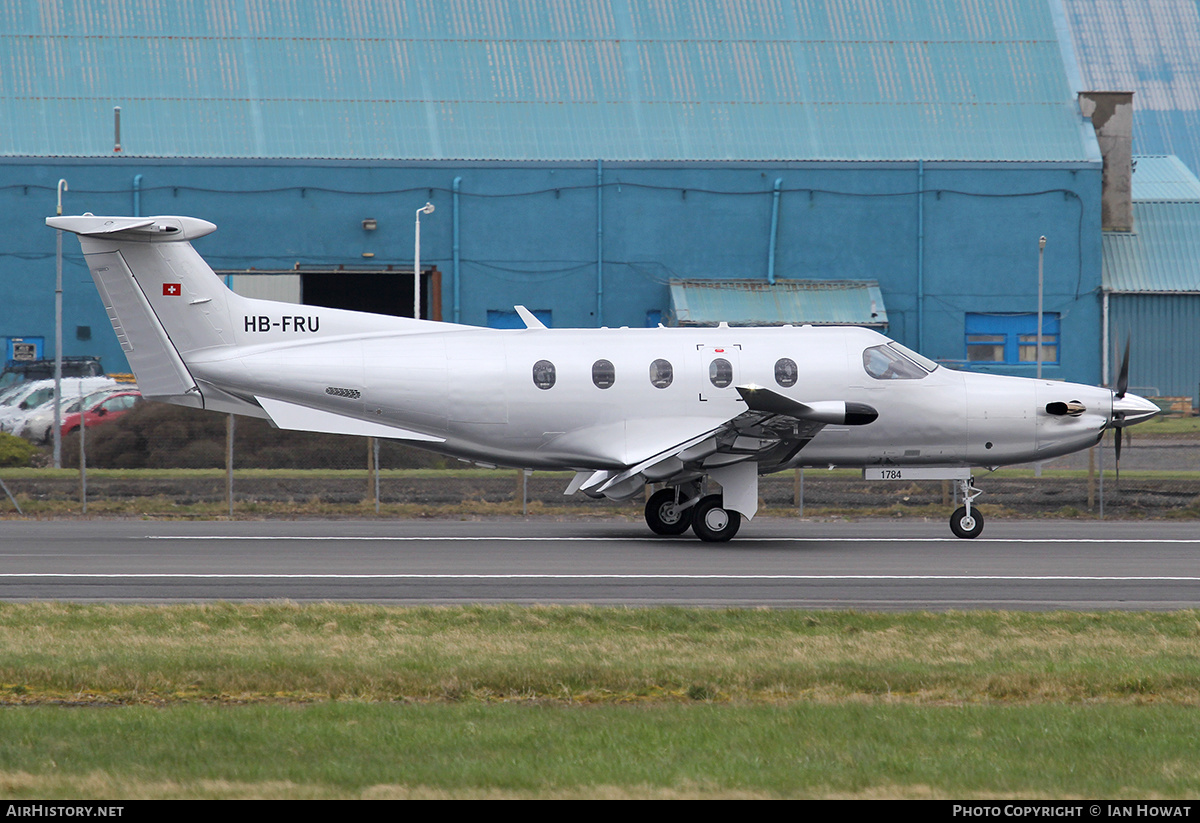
781, 562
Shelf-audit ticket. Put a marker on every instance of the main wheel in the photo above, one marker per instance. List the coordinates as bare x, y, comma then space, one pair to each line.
712, 522
662, 517
964, 526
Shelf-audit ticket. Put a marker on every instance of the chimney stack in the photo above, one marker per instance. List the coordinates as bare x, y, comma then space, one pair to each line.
1112, 118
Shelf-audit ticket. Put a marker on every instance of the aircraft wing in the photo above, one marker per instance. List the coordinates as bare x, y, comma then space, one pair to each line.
772, 430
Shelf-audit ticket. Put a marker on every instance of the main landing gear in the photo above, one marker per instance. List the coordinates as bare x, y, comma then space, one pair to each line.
665, 515
967, 522
671, 512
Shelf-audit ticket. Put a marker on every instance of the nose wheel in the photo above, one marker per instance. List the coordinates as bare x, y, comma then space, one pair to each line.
966, 525
967, 522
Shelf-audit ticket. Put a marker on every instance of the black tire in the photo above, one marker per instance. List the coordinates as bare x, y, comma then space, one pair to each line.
965, 527
661, 516
712, 522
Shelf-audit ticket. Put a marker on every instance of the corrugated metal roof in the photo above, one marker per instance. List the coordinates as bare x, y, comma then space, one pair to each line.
1149, 47
529, 80
757, 303
1161, 254
1163, 178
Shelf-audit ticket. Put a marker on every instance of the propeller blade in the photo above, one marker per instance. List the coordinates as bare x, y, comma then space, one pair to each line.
1123, 375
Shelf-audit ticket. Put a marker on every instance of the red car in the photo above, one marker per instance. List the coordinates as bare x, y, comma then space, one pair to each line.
104, 410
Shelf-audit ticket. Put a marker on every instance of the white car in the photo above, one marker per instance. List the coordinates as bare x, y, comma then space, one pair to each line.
19, 402
38, 424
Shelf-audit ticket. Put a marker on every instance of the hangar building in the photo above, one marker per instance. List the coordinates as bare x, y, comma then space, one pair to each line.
1151, 291
603, 162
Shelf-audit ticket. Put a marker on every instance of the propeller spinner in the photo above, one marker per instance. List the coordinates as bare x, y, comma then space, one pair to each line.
1128, 409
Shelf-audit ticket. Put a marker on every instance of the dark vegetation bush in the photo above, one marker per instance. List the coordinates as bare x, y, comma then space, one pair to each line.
15, 451
162, 436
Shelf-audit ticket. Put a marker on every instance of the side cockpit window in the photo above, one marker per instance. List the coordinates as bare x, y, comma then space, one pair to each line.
888, 363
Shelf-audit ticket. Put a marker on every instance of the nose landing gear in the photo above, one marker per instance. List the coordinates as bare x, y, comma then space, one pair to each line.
966, 522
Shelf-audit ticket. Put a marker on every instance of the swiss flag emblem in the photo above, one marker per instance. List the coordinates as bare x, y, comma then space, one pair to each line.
171, 290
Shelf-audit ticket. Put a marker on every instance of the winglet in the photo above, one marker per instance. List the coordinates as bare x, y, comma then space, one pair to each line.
531, 322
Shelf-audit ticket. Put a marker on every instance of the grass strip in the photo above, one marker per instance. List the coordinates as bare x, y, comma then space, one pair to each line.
98, 653
349, 750
279, 700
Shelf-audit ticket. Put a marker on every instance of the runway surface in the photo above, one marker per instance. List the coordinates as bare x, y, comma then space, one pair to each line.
872, 564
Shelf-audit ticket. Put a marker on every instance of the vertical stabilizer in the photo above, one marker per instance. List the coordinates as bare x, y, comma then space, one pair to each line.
163, 300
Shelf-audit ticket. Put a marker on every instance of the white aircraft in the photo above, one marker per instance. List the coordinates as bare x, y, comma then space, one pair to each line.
621, 407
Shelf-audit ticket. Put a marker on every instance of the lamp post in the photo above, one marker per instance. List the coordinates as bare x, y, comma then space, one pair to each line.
426, 209
58, 335
1037, 467
1041, 254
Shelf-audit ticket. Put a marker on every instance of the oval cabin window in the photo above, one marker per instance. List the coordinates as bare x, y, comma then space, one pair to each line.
543, 374
720, 372
786, 372
661, 374
604, 374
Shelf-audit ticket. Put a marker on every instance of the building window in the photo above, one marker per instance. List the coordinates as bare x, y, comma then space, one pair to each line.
661, 374
543, 374
786, 372
604, 374
1011, 339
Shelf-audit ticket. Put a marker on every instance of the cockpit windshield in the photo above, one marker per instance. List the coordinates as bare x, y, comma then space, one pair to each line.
920, 359
894, 362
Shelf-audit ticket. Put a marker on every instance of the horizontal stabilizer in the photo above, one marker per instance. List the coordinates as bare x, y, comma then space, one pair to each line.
140, 228
301, 418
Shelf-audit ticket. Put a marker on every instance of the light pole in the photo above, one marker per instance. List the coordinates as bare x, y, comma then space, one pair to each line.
426, 209
58, 334
1037, 467
1041, 254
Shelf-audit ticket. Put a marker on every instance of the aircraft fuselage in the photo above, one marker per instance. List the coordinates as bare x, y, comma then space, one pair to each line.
476, 388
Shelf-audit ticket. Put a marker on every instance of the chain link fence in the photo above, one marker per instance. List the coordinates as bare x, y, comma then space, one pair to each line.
164, 459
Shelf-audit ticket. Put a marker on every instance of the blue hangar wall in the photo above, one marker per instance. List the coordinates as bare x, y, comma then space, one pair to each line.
596, 243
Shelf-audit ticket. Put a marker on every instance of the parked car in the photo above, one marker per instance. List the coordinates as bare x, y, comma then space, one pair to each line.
23, 398
104, 410
38, 425
26, 371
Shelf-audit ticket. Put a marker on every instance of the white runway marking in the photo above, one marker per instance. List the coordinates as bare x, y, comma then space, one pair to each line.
734, 544
580, 576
